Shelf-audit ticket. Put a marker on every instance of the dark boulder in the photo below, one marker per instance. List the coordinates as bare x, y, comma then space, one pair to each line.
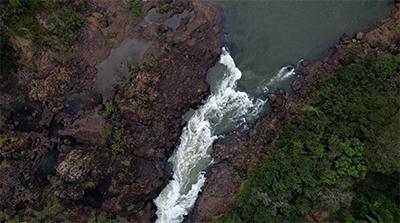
274, 100
305, 63
94, 99
296, 85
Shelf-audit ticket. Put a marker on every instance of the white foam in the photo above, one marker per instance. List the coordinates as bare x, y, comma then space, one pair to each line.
192, 155
284, 73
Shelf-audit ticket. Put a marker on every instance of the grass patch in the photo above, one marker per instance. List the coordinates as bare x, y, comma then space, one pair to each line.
110, 35
114, 131
21, 98
167, 7
57, 183
110, 108
135, 7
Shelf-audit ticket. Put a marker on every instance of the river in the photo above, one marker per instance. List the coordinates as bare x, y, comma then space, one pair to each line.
262, 39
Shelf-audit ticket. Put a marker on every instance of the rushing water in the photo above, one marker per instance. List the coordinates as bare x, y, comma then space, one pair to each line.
263, 37
196, 140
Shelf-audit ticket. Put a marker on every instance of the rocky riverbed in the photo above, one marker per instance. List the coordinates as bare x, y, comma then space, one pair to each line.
100, 162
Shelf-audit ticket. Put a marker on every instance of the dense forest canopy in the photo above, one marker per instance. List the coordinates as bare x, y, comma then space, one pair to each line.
341, 156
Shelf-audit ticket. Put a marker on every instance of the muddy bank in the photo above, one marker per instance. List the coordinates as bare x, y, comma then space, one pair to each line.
107, 159
239, 152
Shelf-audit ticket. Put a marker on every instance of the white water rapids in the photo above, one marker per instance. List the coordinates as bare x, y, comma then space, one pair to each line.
192, 155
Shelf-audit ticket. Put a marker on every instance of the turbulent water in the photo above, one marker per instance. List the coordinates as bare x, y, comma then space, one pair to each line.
192, 155
263, 36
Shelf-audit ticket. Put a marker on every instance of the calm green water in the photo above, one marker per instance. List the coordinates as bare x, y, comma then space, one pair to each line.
264, 36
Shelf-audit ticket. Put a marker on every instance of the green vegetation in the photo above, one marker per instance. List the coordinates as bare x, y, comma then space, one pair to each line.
135, 7
110, 108
130, 208
89, 184
57, 183
20, 17
22, 25
110, 35
89, 159
115, 131
107, 130
342, 156
65, 23
125, 189
133, 69
21, 98
116, 148
167, 47
52, 207
99, 19
126, 163
121, 176
167, 7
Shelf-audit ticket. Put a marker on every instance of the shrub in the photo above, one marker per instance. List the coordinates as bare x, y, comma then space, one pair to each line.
89, 184
107, 130
20, 17
116, 148
110, 108
57, 183
135, 7
167, 7
110, 35
66, 23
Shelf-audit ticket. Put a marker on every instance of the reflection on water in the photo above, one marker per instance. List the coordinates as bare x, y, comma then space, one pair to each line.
264, 36
110, 71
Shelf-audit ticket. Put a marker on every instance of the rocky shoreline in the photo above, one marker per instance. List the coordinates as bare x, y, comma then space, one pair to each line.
239, 153
61, 164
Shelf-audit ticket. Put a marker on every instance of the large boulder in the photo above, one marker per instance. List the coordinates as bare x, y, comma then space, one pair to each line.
274, 100
94, 99
296, 85
71, 169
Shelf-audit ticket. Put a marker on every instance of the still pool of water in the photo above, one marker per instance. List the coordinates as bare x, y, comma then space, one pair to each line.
110, 71
263, 36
